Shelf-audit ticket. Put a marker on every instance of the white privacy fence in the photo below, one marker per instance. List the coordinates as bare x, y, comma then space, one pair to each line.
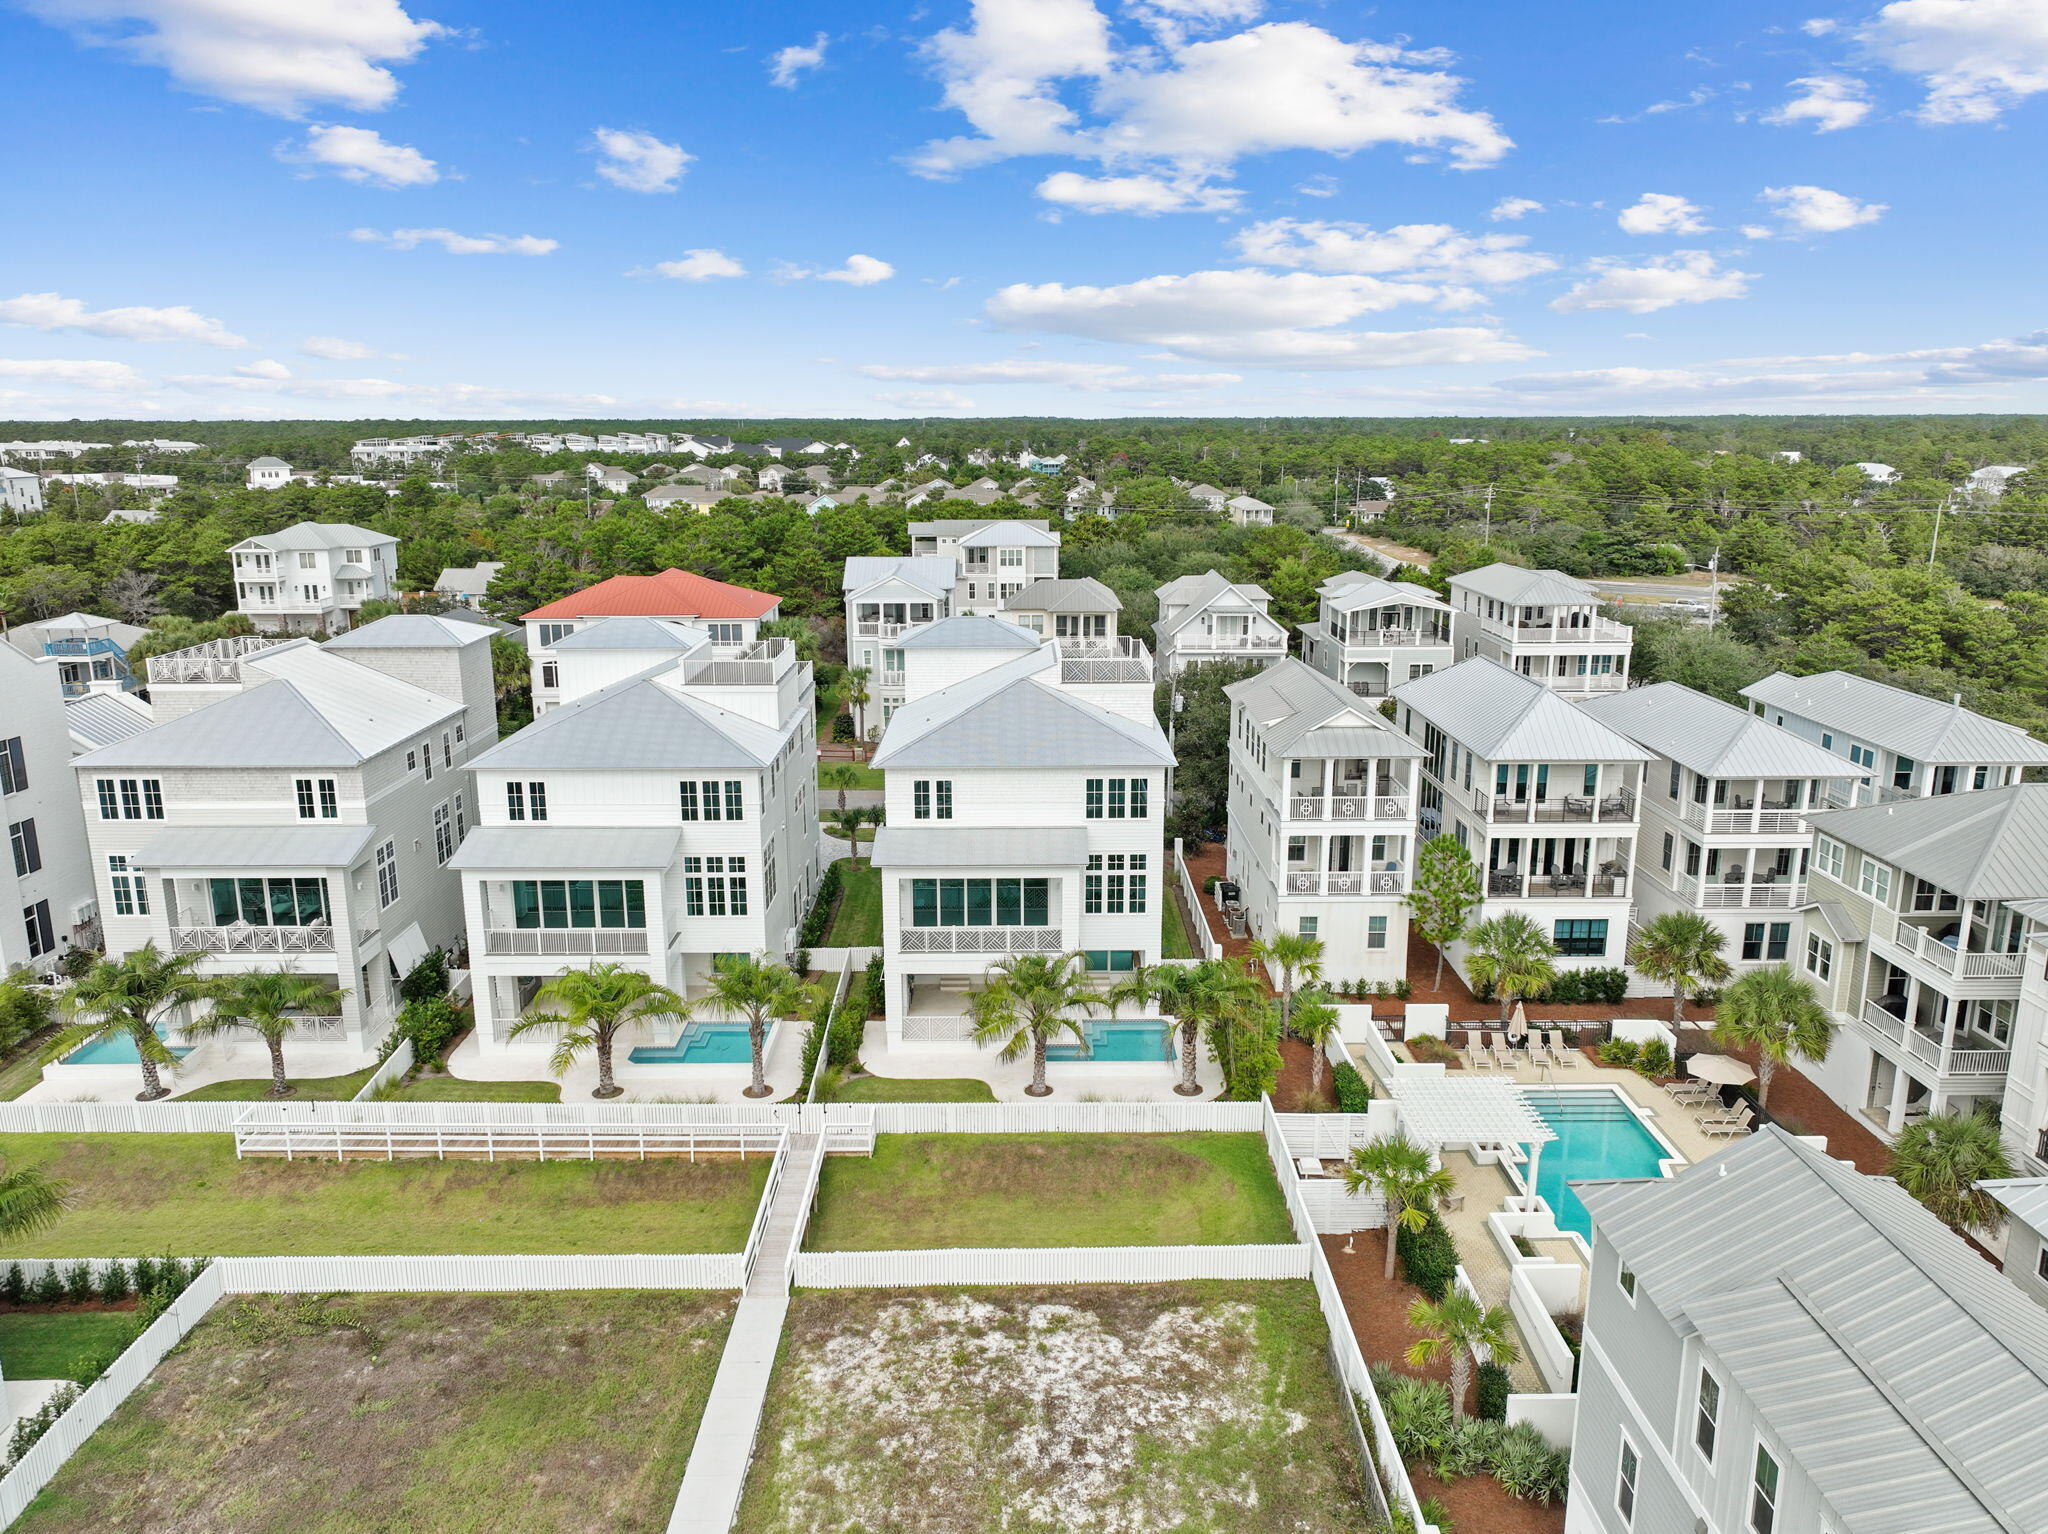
387, 1140
1211, 949
1064, 1118
1046, 1265
395, 1065
461, 1275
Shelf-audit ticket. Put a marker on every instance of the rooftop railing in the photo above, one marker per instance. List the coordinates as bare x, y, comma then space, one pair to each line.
217, 660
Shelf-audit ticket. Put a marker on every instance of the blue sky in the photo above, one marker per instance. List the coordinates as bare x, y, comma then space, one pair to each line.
1060, 207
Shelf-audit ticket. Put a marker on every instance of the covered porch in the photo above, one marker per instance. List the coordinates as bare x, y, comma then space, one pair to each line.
1552, 867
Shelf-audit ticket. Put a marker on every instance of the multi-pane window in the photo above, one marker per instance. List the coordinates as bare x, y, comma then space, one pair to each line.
1875, 880
1763, 1493
1627, 1280
1828, 856
554, 633
317, 798
1114, 884
1117, 798
131, 889
931, 800
1583, 939
444, 835
727, 633
526, 801
980, 902
281, 902
1375, 932
578, 903
447, 749
768, 873
1706, 1417
387, 874
1820, 956
28, 851
13, 766
712, 799
1766, 941
550, 673
1625, 1483
130, 798
715, 886
42, 936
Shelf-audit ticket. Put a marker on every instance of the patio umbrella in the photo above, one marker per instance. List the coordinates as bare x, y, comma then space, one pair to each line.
1518, 1025
1722, 1070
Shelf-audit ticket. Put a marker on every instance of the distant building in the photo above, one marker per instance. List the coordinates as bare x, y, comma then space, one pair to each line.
20, 491
91, 652
269, 474
731, 616
1205, 617
996, 558
468, 583
312, 576
1543, 624
1249, 511
1372, 635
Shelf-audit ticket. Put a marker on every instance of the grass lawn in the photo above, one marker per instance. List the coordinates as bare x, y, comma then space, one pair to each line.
857, 923
865, 777
25, 1068
322, 1089
461, 1414
51, 1345
900, 1089
1050, 1190
1201, 1408
831, 828
139, 1195
453, 1089
1173, 931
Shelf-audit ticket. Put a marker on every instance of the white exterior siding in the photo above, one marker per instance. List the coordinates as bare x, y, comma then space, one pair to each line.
33, 714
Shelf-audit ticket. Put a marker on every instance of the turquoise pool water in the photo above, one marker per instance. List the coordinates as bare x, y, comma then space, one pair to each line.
116, 1050
1117, 1041
1597, 1136
700, 1044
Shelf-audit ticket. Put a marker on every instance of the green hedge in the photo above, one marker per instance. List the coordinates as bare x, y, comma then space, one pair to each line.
1354, 1092
819, 921
1429, 1257
1494, 1387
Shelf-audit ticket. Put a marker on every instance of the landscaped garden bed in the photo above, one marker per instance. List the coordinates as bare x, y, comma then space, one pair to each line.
1203, 1408
143, 1195
571, 1412
921, 1191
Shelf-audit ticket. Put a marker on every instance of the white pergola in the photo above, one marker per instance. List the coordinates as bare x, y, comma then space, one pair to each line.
1466, 1110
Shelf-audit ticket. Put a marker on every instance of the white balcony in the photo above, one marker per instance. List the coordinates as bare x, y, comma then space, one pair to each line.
242, 938
1354, 804
1925, 946
1232, 643
1592, 631
1927, 1049
1760, 821
217, 660
979, 940
1503, 809
1387, 879
1104, 660
1510, 884
573, 941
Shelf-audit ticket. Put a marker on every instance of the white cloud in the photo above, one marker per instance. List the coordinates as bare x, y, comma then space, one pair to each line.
694, 266
1172, 382
1087, 377
274, 56
335, 349
363, 155
458, 244
638, 162
859, 272
1510, 208
1145, 195
1819, 26
1683, 277
82, 375
1758, 232
1319, 186
928, 400
787, 65
1975, 57
1818, 211
1661, 213
274, 372
1436, 252
1829, 102
53, 311
1262, 319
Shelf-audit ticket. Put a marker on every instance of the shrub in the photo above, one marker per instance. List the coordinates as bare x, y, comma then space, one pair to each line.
113, 1281
145, 1275
847, 1030
819, 920
1607, 986
1431, 1050
1492, 1392
800, 961
38, 1422
1467, 1449
24, 1012
1654, 1058
1434, 1511
1525, 1465
13, 1284
46, 1288
1619, 1053
1209, 885
1568, 989
431, 1025
877, 988
1418, 1412
1354, 1092
426, 979
1403, 989
1429, 1257
1707, 996
78, 1283
814, 1036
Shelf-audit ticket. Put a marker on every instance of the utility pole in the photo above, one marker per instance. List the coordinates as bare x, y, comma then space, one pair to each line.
1934, 543
1489, 513
1714, 602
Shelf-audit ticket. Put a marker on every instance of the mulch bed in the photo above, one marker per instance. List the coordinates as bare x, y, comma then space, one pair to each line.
1211, 861
1291, 1093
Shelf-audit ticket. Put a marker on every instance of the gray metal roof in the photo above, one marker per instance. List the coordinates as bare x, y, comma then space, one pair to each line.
1905, 1376
968, 631
2025, 1197
410, 631
592, 847
1528, 588
960, 527
1502, 716
476, 577
928, 572
274, 725
634, 634
1082, 595
1305, 713
1009, 534
105, 718
318, 535
1926, 729
1988, 845
1353, 589
634, 724
1009, 716
980, 847
1714, 739
1196, 593
314, 846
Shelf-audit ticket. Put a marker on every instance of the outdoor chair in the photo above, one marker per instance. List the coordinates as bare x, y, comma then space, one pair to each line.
1503, 1054
1562, 1050
1741, 1123
1476, 1057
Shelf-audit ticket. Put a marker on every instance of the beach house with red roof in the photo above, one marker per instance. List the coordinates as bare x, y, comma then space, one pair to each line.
730, 615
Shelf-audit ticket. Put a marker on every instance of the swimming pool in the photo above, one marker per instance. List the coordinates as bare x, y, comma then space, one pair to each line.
1117, 1042
700, 1044
1598, 1135
115, 1049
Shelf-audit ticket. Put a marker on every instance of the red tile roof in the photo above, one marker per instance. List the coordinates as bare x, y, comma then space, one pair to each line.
671, 594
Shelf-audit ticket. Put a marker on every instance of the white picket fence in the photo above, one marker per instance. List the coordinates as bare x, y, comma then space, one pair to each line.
1046, 1265
395, 1065
1064, 1118
1211, 949
456, 1275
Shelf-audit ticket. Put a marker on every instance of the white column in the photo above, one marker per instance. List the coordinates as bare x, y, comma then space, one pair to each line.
1895, 1116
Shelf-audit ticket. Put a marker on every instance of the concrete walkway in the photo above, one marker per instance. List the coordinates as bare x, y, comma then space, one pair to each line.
717, 1473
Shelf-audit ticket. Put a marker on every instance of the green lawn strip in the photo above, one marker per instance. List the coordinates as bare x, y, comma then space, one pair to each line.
857, 922
321, 1089
572, 1412
1173, 928
1204, 1408
920, 1191
902, 1089
454, 1089
137, 1195
866, 777
52, 1345
25, 1068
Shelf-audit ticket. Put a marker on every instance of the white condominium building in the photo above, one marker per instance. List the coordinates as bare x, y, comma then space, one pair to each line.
730, 615
1205, 617
1372, 635
996, 559
1544, 624
312, 576
1543, 795
1322, 818
46, 886
886, 597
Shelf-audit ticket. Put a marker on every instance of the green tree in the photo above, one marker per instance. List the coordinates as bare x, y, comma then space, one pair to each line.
134, 996
1023, 1004
1400, 1172
759, 991
1511, 954
590, 1008
1942, 1159
840, 776
1776, 1013
1315, 1023
269, 1004
1683, 950
847, 823
857, 697
1458, 1325
1444, 895
1297, 957
1196, 996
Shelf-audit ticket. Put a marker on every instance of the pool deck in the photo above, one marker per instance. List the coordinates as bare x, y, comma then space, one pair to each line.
1071, 1080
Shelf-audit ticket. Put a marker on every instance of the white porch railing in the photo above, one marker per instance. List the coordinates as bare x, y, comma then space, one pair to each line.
1378, 881
240, 939
1923, 944
566, 940
1354, 806
1728, 897
1928, 1050
980, 940
1232, 642
937, 1028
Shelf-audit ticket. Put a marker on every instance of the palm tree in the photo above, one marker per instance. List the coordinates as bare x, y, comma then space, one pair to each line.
1295, 956
590, 1008
1511, 954
759, 991
1023, 1003
1682, 949
1459, 1324
847, 824
263, 1002
1194, 995
1399, 1171
1315, 1023
1776, 1013
1941, 1160
842, 776
857, 696
132, 997
29, 1200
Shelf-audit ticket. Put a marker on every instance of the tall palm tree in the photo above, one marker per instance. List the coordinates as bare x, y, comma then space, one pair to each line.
1315, 1023
847, 824
132, 997
263, 1002
1460, 1325
1940, 1161
856, 696
1023, 1004
29, 1200
1682, 949
759, 991
840, 776
1776, 1013
590, 1008
1195, 996
1511, 954
1297, 957
1399, 1171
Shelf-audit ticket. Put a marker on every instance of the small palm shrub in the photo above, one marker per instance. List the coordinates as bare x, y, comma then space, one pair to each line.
1654, 1058
1418, 1412
1622, 1054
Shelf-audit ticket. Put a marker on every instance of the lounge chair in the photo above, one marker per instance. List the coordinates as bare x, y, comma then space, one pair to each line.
1562, 1050
1694, 1093
1503, 1053
1740, 1123
1476, 1057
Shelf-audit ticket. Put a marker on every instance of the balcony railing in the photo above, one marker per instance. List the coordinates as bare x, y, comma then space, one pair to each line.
1617, 806
980, 940
1594, 631
1509, 884
1351, 806
760, 664
1374, 639
867, 628
1231, 642
566, 940
244, 939
1766, 820
891, 679
1387, 879
1924, 945
1741, 896
1927, 1049
217, 660
77, 647
1116, 660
